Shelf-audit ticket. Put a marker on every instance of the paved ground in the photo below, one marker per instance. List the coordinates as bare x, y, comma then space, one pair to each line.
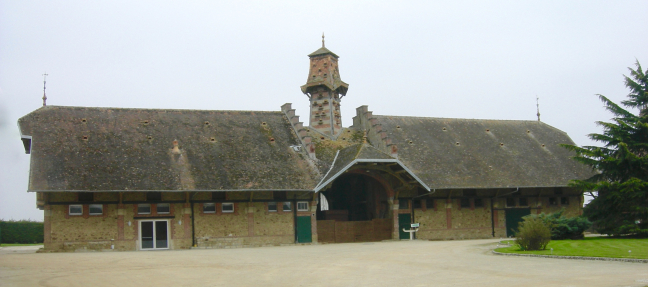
405, 263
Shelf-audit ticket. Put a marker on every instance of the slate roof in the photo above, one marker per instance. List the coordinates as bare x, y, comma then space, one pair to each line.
473, 153
322, 51
133, 149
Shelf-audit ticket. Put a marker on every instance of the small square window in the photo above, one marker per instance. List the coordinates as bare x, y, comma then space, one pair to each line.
143, 209
153, 196
553, 201
286, 206
564, 201
228, 207
510, 202
523, 201
272, 206
416, 203
465, 203
429, 203
218, 196
163, 208
279, 195
209, 207
86, 196
76, 209
403, 204
302, 206
479, 202
96, 209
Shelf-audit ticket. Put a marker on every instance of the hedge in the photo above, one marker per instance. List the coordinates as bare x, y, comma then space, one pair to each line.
22, 231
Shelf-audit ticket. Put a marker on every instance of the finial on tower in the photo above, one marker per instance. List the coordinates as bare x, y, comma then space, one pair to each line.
322, 39
44, 82
538, 106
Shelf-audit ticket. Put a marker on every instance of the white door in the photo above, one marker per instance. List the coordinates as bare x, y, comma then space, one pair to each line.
154, 234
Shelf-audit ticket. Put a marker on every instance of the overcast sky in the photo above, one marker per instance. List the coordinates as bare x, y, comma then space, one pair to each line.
455, 59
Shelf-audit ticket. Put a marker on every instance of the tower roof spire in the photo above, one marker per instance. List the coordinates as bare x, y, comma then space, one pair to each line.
44, 82
323, 46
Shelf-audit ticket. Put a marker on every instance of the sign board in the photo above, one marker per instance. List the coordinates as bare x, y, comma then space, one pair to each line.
414, 225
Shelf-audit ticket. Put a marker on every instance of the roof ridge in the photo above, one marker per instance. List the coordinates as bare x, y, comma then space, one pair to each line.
466, 119
153, 109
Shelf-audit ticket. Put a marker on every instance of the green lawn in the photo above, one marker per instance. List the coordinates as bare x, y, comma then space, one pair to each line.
18, 244
590, 246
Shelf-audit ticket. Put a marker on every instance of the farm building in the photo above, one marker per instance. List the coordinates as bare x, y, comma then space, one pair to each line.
147, 179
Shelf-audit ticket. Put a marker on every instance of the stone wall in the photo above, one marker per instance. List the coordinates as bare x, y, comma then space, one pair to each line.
249, 225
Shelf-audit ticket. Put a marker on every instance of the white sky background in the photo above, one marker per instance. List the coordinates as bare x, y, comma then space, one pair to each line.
462, 59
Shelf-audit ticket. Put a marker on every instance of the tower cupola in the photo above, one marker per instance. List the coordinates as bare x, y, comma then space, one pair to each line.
325, 88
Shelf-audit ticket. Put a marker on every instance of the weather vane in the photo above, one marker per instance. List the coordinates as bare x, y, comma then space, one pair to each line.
538, 106
44, 82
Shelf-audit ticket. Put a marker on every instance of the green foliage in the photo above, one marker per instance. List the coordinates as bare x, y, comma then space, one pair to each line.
620, 187
565, 227
22, 231
592, 247
532, 234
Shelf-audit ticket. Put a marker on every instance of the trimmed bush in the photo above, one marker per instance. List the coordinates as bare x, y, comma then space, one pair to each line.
565, 227
532, 234
22, 231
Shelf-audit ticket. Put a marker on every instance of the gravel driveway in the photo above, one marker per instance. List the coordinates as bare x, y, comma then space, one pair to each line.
404, 263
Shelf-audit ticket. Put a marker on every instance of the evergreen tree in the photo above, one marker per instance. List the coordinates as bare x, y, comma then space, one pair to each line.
620, 186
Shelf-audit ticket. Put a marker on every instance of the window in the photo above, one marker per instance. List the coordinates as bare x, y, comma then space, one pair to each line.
479, 202
209, 207
279, 195
416, 203
553, 201
523, 201
163, 208
470, 192
153, 196
228, 207
96, 209
429, 203
272, 206
302, 206
143, 209
86, 196
564, 201
403, 204
510, 202
286, 206
465, 203
76, 209
218, 196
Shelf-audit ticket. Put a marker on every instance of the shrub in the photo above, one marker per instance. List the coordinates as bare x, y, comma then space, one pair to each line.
565, 227
533, 234
21, 231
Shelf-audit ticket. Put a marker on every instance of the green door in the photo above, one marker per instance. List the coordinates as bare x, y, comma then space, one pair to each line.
304, 234
513, 217
404, 221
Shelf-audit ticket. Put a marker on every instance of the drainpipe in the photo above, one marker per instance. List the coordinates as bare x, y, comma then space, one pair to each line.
193, 225
493, 211
492, 215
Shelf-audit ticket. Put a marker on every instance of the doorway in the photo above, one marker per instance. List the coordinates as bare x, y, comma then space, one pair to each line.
154, 234
513, 218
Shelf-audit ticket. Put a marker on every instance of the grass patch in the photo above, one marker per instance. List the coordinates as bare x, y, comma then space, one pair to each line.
590, 247
19, 244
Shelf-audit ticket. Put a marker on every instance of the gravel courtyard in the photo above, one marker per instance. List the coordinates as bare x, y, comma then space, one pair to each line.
404, 263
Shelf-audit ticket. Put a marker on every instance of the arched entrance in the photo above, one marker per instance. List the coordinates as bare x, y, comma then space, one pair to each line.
354, 209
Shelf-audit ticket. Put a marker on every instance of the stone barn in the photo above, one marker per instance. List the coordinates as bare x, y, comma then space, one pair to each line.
149, 179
